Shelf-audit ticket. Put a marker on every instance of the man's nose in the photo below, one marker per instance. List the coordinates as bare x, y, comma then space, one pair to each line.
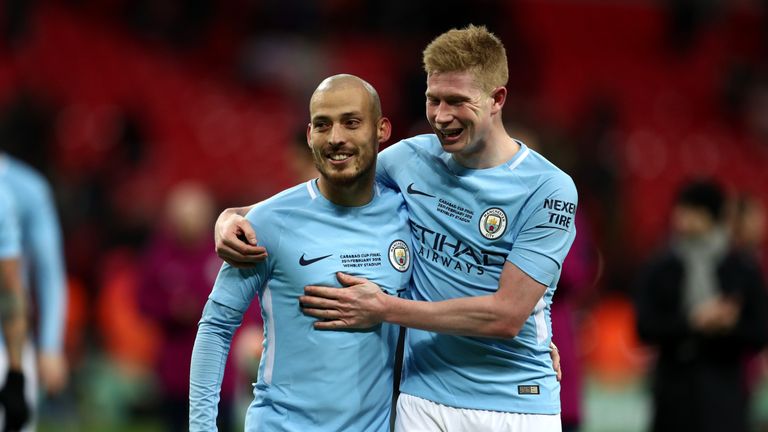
443, 113
337, 134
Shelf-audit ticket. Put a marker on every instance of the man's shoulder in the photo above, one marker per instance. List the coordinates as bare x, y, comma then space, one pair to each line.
387, 198
281, 202
539, 172
420, 144
6, 197
25, 180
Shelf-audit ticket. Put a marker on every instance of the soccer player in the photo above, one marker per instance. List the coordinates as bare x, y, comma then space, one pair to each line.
312, 380
13, 317
492, 222
43, 271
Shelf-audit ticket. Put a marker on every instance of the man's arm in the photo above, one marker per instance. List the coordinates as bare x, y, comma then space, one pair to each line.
363, 304
45, 242
209, 357
12, 310
236, 241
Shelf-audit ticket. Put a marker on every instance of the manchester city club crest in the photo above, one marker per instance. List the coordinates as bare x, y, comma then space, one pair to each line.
399, 255
493, 223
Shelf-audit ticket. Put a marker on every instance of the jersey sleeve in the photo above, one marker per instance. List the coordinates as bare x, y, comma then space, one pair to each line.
236, 288
209, 357
548, 231
10, 237
45, 241
386, 164
232, 294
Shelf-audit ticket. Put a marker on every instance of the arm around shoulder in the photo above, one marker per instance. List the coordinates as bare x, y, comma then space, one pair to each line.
236, 240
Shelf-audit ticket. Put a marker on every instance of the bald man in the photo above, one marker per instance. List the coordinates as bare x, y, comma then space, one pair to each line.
312, 380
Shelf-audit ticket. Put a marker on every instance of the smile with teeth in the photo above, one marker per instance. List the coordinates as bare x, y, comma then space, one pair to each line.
339, 156
451, 133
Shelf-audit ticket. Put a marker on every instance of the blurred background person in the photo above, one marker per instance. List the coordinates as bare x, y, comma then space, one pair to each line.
13, 317
702, 304
178, 271
748, 226
300, 158
575, 290
44, 272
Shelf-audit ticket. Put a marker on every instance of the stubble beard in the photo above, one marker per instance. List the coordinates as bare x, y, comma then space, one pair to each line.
345, 179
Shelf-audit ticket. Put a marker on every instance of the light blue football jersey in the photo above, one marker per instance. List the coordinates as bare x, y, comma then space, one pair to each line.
42, 248
309, 380
10, 235
466, 223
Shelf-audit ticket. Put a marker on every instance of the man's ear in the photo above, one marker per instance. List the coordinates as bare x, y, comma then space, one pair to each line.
499, 96
384, 130
309, 132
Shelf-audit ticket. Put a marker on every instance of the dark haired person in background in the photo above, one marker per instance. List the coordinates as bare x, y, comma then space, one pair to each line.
703, 305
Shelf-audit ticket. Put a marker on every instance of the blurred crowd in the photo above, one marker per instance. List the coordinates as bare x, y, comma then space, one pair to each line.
149, 117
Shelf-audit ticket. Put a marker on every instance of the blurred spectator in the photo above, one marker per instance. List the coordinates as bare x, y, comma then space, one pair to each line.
13, 316
703, 305
748, 226
576, 286
178, 273
42, 260
575, 289
301, 161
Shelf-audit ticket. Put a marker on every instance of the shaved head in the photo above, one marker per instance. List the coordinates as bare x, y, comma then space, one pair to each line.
342, 81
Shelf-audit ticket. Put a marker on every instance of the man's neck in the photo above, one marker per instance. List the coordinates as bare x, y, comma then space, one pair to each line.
355, 194
497, 149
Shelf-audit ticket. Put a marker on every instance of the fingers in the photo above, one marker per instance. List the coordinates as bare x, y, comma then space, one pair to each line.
236, 241
241, 255
348, 280
328, 325
239, 264
319, 291
555, 354
323, 314
319, 303
247, 233
52, 369
236, 245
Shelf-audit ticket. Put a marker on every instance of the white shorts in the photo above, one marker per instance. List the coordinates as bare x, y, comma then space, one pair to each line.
415, 414
29, 366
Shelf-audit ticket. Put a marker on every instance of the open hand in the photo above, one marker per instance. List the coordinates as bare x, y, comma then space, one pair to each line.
360, 304
52, 368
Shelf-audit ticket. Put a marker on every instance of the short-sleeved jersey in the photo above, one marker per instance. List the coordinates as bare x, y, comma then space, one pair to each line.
313, 380
10, 236
466, 223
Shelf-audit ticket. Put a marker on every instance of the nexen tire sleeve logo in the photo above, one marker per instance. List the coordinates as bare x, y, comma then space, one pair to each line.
493, 223
399, 255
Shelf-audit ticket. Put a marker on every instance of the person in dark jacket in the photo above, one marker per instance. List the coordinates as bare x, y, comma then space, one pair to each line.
703, 306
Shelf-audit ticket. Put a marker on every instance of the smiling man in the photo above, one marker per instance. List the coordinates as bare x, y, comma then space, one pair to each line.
491, 223
312, 380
